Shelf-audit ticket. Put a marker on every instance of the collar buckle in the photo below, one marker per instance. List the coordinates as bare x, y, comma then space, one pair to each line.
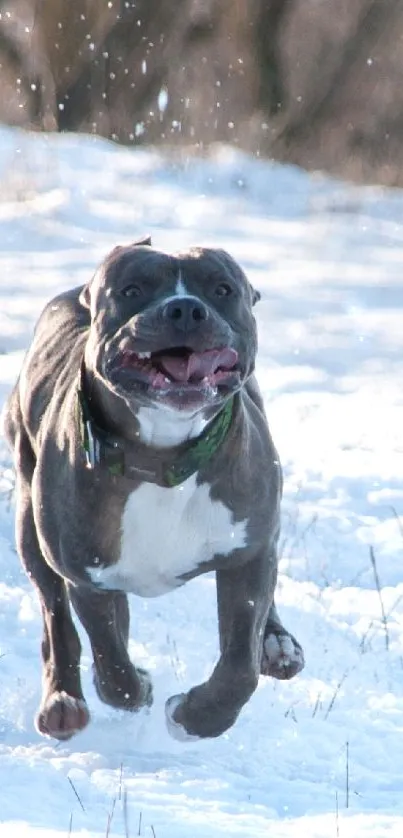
91, 446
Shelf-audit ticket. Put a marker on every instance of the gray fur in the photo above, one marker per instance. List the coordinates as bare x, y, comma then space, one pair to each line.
68, 517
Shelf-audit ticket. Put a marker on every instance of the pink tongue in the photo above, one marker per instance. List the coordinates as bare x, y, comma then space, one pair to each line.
198, 365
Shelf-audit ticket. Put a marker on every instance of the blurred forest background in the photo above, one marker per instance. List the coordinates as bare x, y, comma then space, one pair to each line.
318, 83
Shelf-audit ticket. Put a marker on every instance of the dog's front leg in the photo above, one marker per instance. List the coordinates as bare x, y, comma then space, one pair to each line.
105, 617
63, 710
244, 597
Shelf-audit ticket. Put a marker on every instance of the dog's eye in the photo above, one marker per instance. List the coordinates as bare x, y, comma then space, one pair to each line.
131, 291
223, 290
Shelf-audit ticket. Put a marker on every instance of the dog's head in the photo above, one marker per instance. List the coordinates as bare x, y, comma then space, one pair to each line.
176, 329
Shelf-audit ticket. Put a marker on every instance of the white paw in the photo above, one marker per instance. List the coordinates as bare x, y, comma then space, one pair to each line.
282, 656
175, 729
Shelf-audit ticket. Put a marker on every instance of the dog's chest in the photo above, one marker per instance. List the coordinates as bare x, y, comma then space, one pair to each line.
166, 533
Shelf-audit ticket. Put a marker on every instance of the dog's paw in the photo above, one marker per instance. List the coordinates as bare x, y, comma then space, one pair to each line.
61, 715
130, 689
282, 656
175, 728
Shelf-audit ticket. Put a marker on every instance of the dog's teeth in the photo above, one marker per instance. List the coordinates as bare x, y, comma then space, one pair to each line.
144, 355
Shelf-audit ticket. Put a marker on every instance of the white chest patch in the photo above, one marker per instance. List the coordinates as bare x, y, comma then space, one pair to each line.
162, 427
166, 533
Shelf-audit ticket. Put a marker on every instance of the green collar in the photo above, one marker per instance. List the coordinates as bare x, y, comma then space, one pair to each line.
104, 449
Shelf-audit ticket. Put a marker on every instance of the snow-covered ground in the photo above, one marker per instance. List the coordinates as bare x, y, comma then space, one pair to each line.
320, 756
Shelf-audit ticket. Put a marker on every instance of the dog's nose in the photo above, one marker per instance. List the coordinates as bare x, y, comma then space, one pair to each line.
185, 313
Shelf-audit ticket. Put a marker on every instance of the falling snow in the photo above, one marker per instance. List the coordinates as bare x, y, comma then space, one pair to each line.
322, 755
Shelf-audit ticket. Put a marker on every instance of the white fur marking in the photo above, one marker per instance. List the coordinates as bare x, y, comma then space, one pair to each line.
167, 533
177, 730
163, 427
180, 288
281, 650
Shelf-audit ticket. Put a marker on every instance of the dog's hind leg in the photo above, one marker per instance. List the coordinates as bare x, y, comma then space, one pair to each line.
63, 710
105, 617
282, 654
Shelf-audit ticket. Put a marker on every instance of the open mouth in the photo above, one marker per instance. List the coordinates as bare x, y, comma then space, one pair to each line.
181, 367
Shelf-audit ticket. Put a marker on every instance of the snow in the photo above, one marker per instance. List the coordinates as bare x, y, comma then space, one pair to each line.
321, 755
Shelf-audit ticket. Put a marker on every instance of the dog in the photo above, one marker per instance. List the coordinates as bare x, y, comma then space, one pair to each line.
143, 458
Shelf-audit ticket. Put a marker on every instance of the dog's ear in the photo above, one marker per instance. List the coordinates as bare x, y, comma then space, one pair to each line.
144, 241
84, 298
85, 294
256, 296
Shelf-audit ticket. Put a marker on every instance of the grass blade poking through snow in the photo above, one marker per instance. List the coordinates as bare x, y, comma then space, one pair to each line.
378, 588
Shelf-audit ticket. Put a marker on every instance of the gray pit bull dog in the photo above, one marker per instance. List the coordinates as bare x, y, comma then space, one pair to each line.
143, 459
